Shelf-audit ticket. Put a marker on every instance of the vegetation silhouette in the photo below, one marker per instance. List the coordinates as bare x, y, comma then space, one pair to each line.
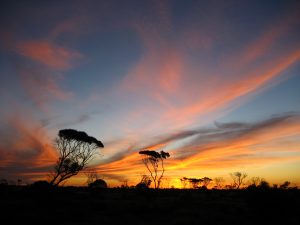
153, 161
99, 183
277, 204
144, 183
238, 179
75, 149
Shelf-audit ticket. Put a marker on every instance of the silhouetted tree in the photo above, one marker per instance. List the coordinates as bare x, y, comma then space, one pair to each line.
255, 181
99, 183
285, 185
263, 185
76, 149
195, 182
238, 179
144, 183
91, 175
125, 184
184, 181
219, 182
206, 181
151, 160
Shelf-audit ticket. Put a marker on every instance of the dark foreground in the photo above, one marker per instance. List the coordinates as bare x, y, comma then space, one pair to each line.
69, 205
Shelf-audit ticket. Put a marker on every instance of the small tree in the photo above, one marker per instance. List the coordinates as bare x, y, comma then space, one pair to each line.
184, 182
144, 183
151, 160
75, 149
255, 181
219, 181
195, 182
285, 185
91, 175
206, 181
238, 179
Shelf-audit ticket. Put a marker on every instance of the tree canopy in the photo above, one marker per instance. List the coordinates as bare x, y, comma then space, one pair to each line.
76, 149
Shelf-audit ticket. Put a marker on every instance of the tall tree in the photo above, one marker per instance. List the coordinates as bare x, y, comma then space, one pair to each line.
154, 162
75, 149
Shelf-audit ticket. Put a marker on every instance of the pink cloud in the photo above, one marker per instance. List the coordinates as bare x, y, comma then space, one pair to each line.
48, 53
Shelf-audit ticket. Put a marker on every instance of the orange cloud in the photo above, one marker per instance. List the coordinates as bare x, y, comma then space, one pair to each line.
25, 147
49, 54
247, 145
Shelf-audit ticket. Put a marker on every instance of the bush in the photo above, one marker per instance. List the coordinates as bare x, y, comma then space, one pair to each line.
99, 183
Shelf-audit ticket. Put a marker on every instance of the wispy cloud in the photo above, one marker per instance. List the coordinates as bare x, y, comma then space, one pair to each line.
49, 54
25, 146
227, 145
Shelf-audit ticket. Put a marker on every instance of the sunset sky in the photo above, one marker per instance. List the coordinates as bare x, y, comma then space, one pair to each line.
215, 83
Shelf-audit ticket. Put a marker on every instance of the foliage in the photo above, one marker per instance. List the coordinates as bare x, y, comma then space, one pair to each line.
151, 160
99, 183
238, 179
285, 185
91, 175
206, 181
144, 183
184, 181
219, 182
76, 149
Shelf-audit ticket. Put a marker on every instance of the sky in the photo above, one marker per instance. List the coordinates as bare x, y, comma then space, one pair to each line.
214, 83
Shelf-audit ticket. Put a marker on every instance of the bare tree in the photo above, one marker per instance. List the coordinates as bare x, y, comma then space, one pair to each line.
154, 162
255, 181
91, 175
238, 178
75, 149
219, 181
184, 181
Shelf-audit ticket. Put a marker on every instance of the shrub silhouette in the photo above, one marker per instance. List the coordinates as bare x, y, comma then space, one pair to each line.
264, 185
285, 185
99, 183
144, 183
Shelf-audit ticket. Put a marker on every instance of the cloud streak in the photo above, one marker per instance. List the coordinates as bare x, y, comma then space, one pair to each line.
49, 54
228, 145
25, 147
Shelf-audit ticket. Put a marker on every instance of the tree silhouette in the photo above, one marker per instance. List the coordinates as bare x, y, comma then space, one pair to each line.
91, 175
206, 181
285, 185
151, 160
184, 182
195, 182
255, 181
76, 149
219, 182
144, 183
238, 179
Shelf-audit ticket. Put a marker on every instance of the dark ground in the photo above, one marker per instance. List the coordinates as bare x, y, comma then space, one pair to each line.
70, 205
